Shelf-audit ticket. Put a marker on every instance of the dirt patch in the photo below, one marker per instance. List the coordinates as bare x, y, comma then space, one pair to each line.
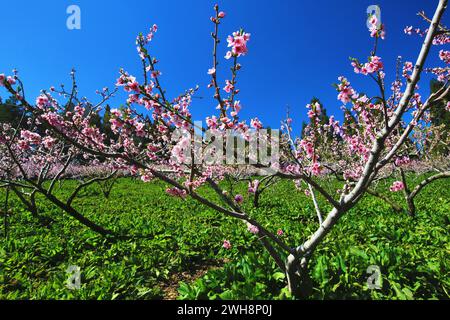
170, 288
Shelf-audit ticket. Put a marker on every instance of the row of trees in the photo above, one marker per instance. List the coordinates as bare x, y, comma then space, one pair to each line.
11, 112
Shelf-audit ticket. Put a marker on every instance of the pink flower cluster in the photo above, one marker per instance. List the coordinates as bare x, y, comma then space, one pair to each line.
409, 30
314, 110
236, 108
28, 138
374, 65
228, 86
147, 176
443, 74
315, 168
253, 186
397, 186
129, 83
356, 145
400, 161
42, 101
48, 142
9, 79
376, 29
253, 229
141, 41
346, 92
407, 68
226, 244
239, 198
256, 124
181, 150
445, 56
238, 43
176, 192
308, 147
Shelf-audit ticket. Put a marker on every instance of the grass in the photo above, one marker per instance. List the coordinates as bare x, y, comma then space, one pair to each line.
181, 252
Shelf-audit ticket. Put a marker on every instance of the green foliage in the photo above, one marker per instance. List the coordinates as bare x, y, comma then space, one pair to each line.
253, 276
10, 111
440, 117
180, 235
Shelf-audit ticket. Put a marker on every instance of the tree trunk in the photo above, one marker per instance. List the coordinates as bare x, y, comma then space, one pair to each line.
299, 281
256, 199
411, 207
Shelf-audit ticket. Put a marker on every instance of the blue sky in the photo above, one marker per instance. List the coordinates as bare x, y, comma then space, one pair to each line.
297, 50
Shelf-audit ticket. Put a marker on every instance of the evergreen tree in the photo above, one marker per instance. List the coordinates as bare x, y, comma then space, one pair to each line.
11, 112
439, 116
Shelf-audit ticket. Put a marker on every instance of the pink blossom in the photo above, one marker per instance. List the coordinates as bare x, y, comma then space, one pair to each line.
445, 56
147, 176
280, 232
116, 113
116, 124
397, 186
212, 122
238, 43
229, 86
156, 74
255, 123
212, 71
226, 244
374, 64
132, 86
237, 106
23, 145
376, 28
408, 30
221, 14
239, 198
54, 119
346, 92
177, 192
48, 142
11, 80
402, 161
28, 138
253, 229
140, 132
316, 168
253, 186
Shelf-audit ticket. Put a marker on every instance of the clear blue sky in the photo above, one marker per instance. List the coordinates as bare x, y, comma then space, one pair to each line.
297, 50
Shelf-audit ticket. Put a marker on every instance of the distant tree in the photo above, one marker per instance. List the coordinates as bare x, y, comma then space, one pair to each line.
440, 117
438, 113
106, 124
323, 117
11, 112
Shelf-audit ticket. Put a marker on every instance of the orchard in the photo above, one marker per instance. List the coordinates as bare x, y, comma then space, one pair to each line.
150, 202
